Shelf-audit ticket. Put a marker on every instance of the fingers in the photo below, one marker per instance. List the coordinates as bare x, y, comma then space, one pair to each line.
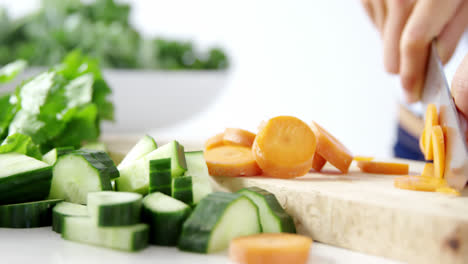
376, 10
426, 21
369, 9
398, 13
460, 87
447, 41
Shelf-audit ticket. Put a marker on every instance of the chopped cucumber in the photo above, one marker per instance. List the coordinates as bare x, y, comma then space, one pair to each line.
100, 146
51, 156
196, 164
134, 176
126, 238
114, 208
64, 209
27, 215
23, 179
273, 218
191, 189
165, 215
217, 219
160, 179
142, 147
77, 173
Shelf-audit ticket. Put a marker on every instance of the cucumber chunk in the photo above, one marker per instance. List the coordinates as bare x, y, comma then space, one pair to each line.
141, 148
114, 208
196, 164
217, 219
134, 176
165, 215
77, 173
27, 215
273, 218
191, 189
23, 179
51, 156
64, 209
126, 238
99, 146
160, 179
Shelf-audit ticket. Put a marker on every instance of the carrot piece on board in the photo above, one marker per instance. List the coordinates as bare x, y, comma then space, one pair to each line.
418, 183
383, 167
428, 170
284, 147
362, 158
331, 149
422, 143
215, 141
448, 190
438, 146
318, 162
271, 248
237, 136
431, 119
231, 161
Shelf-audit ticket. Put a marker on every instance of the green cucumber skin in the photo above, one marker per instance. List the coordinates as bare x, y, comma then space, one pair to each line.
57, 222
182, 189
160, 178
182, 168
197, 229
58, 217
25, 187
140, 240
27, 215
165, 228
128, 214
108, 166
286, 222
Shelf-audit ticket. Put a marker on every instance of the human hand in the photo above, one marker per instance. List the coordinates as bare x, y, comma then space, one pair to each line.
460, 87
407, 28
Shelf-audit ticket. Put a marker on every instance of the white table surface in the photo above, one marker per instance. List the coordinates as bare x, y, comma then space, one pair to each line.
44, 246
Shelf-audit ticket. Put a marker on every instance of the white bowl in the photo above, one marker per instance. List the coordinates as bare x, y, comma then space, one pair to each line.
153, 99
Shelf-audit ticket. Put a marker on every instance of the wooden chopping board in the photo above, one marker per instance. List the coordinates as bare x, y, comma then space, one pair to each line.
361, 212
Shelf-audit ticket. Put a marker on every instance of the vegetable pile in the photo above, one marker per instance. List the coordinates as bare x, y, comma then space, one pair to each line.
100, 29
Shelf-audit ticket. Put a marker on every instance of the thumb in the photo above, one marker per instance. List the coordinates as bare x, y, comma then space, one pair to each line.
460, 87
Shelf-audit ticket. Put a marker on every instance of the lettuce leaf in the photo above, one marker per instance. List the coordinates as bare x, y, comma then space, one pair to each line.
22, 144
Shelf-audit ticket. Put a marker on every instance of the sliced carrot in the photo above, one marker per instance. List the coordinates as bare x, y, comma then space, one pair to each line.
448, 190
231, 161
431, 119
237, 136
418, 183
428, 170
270, 248
438, 145
284, 147
362, 158
215, 141
318, 162
331, 149
383, 167
422, 145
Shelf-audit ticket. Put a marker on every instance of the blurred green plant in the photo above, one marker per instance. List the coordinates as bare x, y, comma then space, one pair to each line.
100, 29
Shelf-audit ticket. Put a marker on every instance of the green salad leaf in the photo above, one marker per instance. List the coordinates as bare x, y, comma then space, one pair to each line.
22, 144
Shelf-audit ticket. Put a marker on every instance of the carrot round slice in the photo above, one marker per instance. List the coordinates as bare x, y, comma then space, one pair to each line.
269, 248
318, 162
284, 147
448, 190
438, 145
215, 141
422, 144
332, 149
431, 120
362, 158
237, 136
418, 183
383, 167
428, 170
231, 161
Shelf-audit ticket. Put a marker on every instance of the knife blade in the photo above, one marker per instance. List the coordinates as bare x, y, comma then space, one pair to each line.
436, 91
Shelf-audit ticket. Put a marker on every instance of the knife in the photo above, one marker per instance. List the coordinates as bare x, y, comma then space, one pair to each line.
437, 91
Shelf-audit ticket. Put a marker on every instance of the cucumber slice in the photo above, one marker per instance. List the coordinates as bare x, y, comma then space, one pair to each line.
273, 218
165, 215
160, 179
64, 209
142, 147
23, 179
27, 215
217, 219
114, 208
134, 177
99, 146
51, 156
126, 238
77, 173
191, 189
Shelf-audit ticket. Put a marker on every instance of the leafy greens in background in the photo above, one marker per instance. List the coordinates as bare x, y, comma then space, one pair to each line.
60, 107
101, 30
